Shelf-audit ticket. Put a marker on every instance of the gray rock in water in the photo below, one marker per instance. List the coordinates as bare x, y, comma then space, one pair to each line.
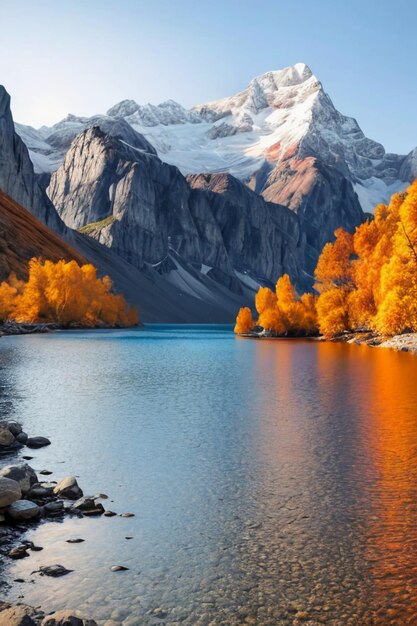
37, 442
68, 488
19, 552
22, 438
23, 510
9, 491
88, 505
53, 507
22, 473
14, 427
38, 492
6, 437
55, 571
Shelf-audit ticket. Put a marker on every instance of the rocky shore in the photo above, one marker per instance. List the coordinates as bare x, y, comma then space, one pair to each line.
406, 342
16, 328
27, 499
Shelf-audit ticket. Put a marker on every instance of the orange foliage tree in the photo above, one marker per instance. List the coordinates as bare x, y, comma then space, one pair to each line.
64, 293
282, 313
244, 321
365, 281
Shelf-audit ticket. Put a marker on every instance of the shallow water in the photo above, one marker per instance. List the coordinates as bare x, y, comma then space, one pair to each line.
273, 482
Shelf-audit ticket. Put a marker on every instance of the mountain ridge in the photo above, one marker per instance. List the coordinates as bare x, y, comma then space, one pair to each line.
280, 112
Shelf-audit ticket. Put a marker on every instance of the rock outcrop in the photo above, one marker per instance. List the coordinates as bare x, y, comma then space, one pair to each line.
144, 209
17, 178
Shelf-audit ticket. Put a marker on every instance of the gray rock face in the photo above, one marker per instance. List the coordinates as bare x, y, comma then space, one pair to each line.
17, 177
9, 491
321, 196
143, 209
22, 474
260, 238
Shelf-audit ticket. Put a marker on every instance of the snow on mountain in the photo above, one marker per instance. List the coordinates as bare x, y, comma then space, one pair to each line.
282, 116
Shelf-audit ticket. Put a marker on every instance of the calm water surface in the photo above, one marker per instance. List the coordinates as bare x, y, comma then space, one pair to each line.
273, 482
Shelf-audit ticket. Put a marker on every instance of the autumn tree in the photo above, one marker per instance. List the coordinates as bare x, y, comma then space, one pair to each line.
64, 293
265, 299
244, 321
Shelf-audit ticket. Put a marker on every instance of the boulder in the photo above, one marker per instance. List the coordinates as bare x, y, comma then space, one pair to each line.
19, 552
14, 427
88, 505
38, 492
17, 616
55, 571
9, 491
22, 474
23, 510
68, 488
22, 438
37, 442
53, 507
6, 437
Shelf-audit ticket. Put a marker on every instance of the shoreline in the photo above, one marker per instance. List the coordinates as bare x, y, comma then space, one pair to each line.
406, 342
26, 501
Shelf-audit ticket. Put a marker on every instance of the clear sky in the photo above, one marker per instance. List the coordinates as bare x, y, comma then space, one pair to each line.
83, 56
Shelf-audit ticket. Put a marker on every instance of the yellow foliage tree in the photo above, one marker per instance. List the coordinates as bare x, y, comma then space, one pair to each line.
64, 293
265, 299
365, 281
244, 321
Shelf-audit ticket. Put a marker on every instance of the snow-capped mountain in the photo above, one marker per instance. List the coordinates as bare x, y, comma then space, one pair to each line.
259, 135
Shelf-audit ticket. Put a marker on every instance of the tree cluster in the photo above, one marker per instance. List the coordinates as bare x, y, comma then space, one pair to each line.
364, 281
66, 294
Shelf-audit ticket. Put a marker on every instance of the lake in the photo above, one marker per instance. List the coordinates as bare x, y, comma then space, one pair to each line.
272, 482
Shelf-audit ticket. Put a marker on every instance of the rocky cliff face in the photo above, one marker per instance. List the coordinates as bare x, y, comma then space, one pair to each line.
176, 293
17, 178
144, 209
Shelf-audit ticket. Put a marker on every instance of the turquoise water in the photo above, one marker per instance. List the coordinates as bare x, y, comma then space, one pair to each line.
272, 482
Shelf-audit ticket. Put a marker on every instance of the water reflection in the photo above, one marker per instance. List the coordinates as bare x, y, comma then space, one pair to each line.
273, 482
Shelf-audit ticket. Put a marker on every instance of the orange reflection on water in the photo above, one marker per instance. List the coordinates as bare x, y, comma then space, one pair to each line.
391, 411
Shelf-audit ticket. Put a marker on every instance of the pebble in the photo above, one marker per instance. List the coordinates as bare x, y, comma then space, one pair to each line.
19, 552
118, 568
53, 570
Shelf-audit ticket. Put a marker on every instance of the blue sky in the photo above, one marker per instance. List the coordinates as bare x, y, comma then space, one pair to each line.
82, 56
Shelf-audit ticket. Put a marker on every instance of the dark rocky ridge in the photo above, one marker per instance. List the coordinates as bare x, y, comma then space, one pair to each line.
143, 209
175, 293
17, 178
